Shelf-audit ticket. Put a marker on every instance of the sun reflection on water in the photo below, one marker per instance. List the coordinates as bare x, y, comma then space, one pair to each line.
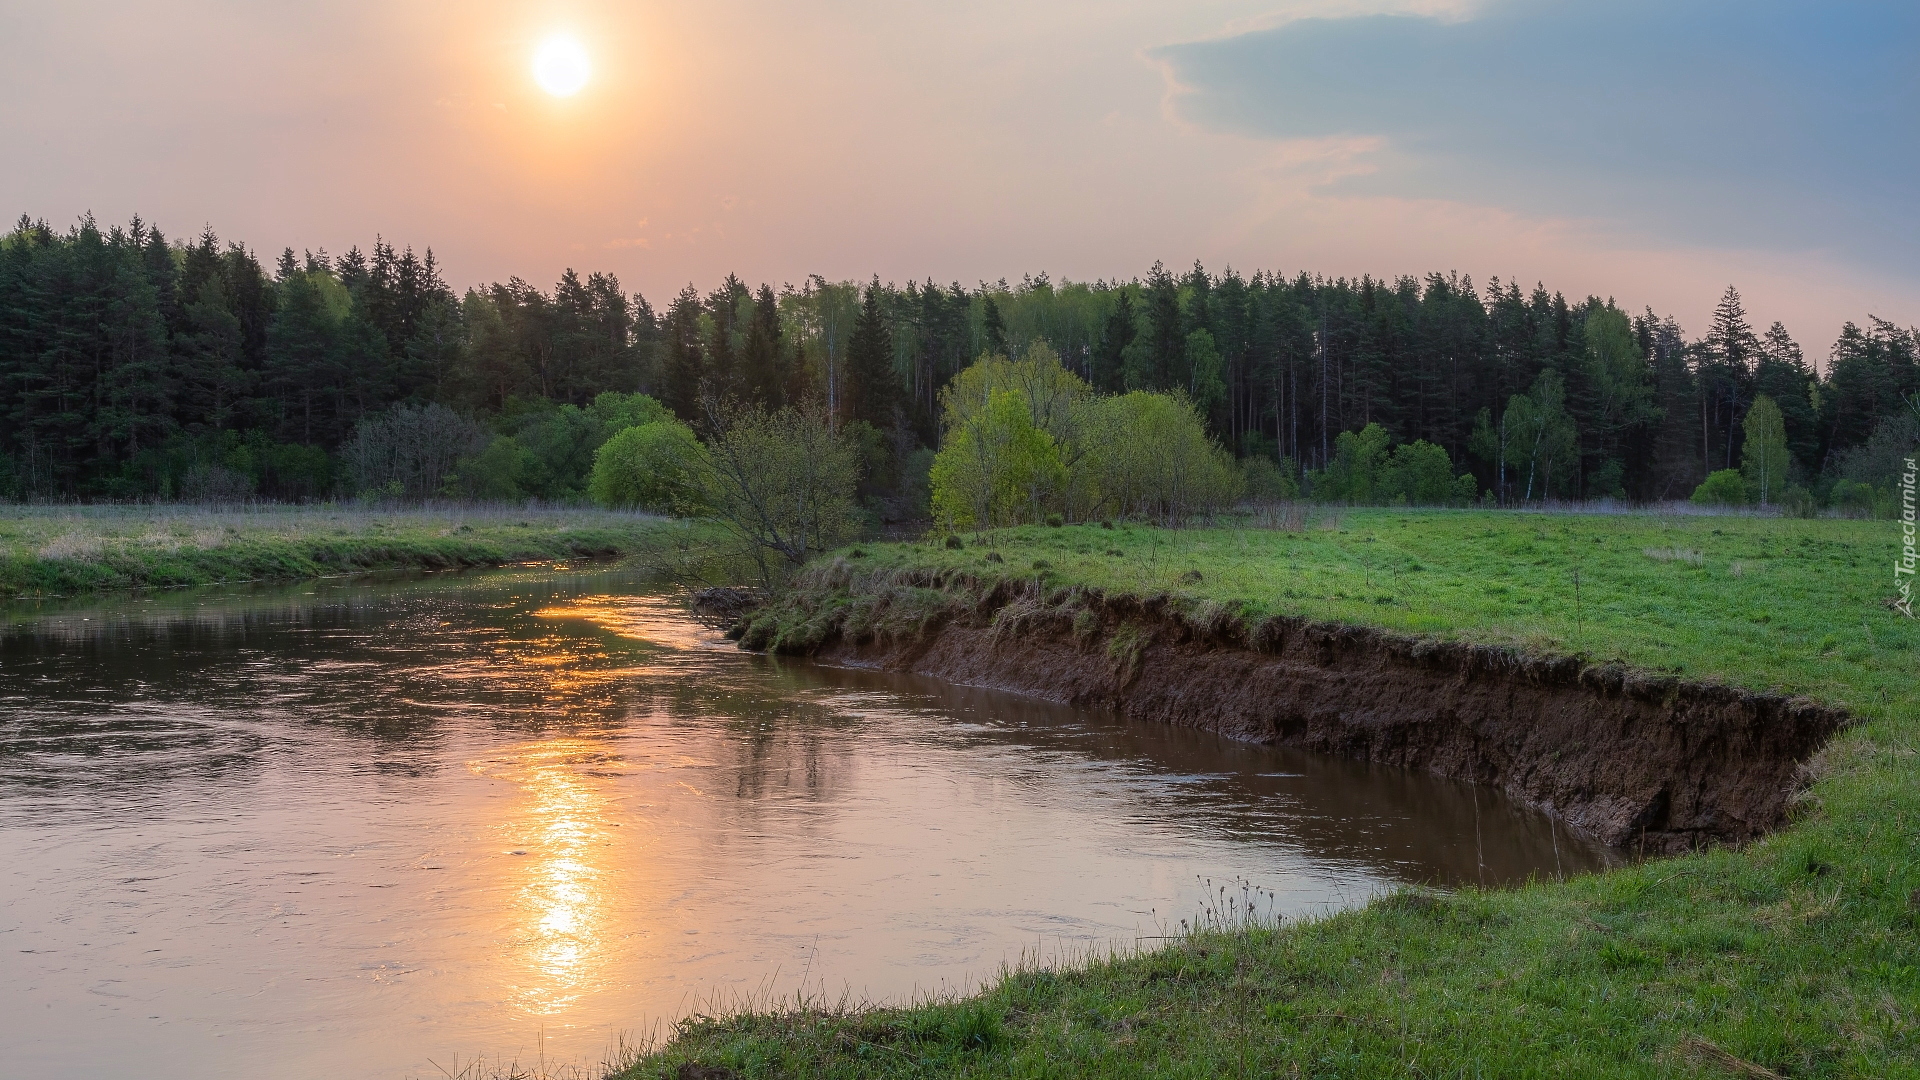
562, 865
658, 620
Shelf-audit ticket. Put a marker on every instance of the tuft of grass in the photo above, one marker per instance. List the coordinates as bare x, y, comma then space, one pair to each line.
1797, 956
1673, 554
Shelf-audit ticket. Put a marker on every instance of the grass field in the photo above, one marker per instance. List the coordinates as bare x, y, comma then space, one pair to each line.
1798, 956
64, 551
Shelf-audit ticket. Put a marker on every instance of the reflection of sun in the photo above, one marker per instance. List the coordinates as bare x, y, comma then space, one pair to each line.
645, 618
561, 905
642, 617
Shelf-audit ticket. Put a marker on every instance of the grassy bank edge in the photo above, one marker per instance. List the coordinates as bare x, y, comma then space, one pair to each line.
1794, 956
306, 547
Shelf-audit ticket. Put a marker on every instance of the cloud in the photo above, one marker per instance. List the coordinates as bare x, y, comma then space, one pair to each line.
1751, 124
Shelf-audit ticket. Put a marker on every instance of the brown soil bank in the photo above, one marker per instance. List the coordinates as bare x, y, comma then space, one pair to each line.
1633, 758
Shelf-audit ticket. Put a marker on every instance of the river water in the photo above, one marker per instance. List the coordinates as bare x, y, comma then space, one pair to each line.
386, 828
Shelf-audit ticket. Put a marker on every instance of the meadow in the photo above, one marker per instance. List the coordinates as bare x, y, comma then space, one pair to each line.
48, 551
1795, 956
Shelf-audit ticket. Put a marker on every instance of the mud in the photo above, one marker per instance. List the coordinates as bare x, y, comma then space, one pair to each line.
1636, 759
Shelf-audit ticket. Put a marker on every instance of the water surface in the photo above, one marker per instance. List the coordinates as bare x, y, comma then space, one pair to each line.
359, 828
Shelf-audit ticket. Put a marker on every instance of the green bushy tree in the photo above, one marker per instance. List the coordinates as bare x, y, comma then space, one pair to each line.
1764, 455
989, 453
1368, 468
1268, 481
1421, 474
654, 466
1360, 460
1148, 455
782, 482
996, 467
1726, 487
1541, 436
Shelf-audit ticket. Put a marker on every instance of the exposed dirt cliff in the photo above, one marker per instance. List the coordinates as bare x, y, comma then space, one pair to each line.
1635, 759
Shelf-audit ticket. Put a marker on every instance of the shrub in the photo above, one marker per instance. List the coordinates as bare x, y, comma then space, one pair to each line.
1268, 481
616, 412
1025, 441
1368, 468
1723, 488
1419, 474
653, 467
1359, 458
1008, 428
996, 467
215, 484
1799, 502
409, 450
1854, 497
781, 482
498, 473
1148, 455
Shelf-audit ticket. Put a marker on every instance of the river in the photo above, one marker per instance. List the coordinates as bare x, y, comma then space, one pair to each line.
397, 827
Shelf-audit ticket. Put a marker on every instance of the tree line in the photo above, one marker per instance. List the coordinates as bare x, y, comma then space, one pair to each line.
136, 365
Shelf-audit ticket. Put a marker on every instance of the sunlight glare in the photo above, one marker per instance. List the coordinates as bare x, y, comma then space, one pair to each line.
564, 888
560, 66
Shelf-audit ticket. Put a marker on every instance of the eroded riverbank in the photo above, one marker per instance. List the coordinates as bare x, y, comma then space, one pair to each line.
1655, 762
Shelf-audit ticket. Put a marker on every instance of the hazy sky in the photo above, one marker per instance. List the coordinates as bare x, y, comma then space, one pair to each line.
1650, 151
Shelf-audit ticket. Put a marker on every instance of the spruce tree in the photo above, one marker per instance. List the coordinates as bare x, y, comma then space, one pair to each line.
1725, 372
762, 378
994, 328
870, 363
1118, 332
1166, 330
682, 374
1782, 374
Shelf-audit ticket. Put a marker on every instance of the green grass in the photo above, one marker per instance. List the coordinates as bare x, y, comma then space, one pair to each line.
1796, 956
65, 551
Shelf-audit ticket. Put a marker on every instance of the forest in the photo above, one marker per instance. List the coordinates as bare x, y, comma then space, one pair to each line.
133, 366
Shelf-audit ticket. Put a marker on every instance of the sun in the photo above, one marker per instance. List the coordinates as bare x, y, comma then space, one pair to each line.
560, 66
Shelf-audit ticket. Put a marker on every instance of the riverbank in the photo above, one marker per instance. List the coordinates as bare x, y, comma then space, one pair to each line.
1791, 955
50, 551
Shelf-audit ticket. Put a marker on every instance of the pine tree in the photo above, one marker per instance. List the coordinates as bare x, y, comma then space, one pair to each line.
1782, 374
1725, 374
870, 363
724, 336
303, 355
762, 375
683, 367
1118, 332
209, 352
1166, 330
994, 328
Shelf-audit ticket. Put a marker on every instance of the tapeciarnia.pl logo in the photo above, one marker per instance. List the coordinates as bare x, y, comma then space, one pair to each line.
1903, 567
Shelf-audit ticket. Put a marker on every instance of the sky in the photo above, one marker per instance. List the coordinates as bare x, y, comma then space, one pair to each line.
1653, 152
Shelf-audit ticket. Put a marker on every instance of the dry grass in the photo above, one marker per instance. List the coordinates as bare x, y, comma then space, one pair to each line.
84, 532
62, 550
1674, 554
1286, 517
